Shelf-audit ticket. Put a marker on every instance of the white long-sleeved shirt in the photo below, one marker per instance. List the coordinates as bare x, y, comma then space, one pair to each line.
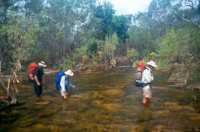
62, 83
147, 76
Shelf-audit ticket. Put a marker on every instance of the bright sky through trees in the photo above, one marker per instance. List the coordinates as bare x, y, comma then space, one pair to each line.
123, 7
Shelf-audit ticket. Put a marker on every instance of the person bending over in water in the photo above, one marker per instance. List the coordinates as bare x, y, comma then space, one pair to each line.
65, 83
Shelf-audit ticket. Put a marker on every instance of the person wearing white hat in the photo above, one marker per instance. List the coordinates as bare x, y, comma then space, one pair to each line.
147, 78
39, 78
42, 64
65, 82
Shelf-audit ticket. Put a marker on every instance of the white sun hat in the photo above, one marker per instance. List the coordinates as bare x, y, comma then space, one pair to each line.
152, 63
69, 73
42, 63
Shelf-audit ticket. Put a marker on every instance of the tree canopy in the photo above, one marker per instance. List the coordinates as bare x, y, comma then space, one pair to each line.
54, 30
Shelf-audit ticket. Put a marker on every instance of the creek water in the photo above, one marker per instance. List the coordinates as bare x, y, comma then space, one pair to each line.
101, 101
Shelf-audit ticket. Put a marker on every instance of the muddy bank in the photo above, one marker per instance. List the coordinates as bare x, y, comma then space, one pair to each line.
184, 76
103, 65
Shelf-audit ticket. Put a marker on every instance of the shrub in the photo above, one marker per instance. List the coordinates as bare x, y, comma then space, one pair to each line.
132, 53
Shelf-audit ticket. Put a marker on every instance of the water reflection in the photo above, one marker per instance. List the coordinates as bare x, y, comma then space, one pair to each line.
101, 102
145, 118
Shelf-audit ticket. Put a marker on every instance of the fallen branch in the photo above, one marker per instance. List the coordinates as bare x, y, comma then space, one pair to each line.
8, 88
187, 20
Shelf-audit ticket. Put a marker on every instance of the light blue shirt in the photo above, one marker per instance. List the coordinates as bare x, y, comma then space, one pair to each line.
65, 82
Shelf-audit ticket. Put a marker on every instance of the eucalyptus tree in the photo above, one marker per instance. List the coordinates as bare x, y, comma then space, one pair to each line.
110, 46
62, 24
185, 10
120, 26
20, 33
6, 6
103, 16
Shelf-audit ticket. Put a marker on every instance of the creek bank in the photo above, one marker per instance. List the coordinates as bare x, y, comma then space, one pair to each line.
115, 64
178, 73
184, 76
25, 74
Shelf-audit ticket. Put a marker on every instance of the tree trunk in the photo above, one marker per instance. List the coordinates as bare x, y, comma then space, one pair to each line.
0, 60
0, 65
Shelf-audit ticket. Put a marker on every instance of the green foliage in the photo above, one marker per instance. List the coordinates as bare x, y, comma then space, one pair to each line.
146, 59
103, 21
93, 57
192, 37
196, 76
79, 52
132, 53
153, 54
92, 46
88, 48
168, 10
110, 46
120, 26
172, 47
109, 49
21, 32
68, 63
34, 6
114, 39
134, 63
51, 30
179, 46
162, 63
141, 40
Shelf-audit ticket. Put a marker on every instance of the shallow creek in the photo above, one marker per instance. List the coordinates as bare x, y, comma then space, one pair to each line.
101, 101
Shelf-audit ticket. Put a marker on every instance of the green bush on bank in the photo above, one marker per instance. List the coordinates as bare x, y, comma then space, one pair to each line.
132, 53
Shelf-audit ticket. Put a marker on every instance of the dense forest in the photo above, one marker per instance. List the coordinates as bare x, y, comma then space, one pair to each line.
66, 33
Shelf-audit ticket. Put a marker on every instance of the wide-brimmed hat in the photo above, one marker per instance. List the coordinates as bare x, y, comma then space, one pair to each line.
69, 73
42, 63
152, 63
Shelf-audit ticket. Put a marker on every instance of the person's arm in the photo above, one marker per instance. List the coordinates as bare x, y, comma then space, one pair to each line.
152, 78
62, 83
69, 83
36, 79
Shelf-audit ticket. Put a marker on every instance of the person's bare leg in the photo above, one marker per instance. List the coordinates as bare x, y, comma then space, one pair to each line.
144, 101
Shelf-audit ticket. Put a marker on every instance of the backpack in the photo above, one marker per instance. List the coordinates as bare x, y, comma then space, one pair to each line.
138, 77
58, 78
32, 67
139, 74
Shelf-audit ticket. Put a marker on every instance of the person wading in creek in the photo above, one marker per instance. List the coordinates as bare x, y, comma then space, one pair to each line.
39, 78
65, 82
147, 78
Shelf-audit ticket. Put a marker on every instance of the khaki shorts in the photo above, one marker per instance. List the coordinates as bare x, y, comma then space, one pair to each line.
147, 91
